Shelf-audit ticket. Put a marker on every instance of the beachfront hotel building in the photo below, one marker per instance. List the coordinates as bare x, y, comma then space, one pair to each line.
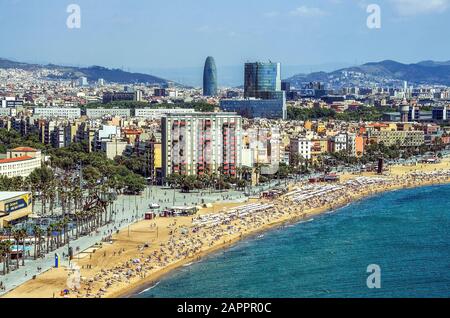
20, 162
201, 143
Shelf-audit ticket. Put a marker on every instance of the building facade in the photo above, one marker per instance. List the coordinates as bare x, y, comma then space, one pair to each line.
262, 80
201, 143
256, 108
54, 112
157, 113
94, 113
109, 97
401, 138
263, 97
300, 148
20, 162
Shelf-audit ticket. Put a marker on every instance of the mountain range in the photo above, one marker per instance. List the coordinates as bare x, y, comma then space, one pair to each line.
93, 73
384, 72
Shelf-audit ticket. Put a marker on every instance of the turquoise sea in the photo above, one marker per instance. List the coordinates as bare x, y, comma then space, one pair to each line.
406, 233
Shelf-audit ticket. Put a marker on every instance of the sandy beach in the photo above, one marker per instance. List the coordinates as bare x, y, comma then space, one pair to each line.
139, 255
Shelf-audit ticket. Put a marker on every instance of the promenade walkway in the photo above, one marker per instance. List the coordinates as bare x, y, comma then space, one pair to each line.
127, 210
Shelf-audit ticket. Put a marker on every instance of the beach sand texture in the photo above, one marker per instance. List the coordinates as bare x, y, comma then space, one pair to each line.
140, 255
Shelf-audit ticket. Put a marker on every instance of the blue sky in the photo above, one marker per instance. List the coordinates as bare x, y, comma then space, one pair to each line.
159, 35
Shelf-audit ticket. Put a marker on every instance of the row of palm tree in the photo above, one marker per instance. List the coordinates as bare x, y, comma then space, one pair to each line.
50, 238
88, 209
82, 184
211, 180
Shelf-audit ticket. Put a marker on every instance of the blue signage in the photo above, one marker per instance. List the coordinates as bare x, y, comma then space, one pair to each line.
17, 204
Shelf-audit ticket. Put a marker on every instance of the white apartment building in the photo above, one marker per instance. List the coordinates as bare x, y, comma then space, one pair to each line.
302, 147
105, 133
20, 162
157, 113
53, 112
339, 142
265, 148
94, 113
351, 144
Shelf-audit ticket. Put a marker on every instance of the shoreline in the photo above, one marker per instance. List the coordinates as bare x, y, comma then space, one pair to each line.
55, 279
138, 287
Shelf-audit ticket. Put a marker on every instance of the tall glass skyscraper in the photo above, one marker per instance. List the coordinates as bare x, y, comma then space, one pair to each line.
263, 97
262, 80
210, 77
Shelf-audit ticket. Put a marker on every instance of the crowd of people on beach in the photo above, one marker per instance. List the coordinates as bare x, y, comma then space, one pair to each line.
216, 229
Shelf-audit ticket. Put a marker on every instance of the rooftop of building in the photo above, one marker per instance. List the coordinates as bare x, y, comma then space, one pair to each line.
24, 149
378, 125
18, 159
131, 131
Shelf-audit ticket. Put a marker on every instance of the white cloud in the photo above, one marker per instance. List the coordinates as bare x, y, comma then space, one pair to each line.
305, 11
416, 7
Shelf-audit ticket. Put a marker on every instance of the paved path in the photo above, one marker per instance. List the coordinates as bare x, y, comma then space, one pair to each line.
128, 210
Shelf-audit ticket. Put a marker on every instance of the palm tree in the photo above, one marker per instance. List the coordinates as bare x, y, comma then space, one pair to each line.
3, 256
79, 222
17, 236
239, 171
41, 238
23, 234
241, 184
213, 180
246, 171
36, 233
58, 228
76, 195
5, 251
258, 169
65, 223
51, 193
49, 234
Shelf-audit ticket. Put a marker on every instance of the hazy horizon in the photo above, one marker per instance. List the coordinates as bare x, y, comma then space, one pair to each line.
228, 75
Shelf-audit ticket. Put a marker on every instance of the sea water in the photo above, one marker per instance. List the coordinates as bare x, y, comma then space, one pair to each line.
406, 233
